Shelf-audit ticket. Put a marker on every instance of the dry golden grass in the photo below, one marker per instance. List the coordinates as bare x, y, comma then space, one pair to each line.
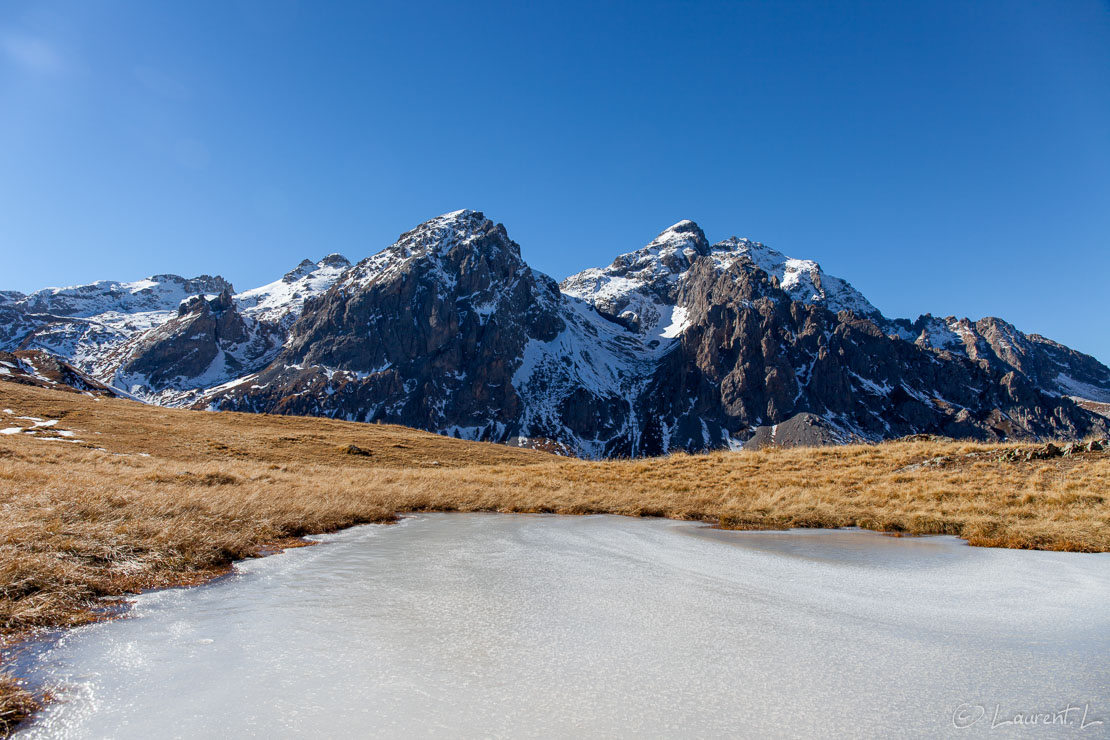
16, 704
155, 497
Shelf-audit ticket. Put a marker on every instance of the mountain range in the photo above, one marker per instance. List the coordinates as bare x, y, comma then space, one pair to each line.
681, 345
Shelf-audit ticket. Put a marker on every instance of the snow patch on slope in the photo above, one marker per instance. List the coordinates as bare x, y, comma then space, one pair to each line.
1084, 391
281, 301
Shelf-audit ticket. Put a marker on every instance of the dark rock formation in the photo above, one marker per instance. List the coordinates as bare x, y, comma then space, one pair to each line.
802, 430
753, 357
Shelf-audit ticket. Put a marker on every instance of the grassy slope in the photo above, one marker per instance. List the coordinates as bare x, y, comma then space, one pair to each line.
175, 496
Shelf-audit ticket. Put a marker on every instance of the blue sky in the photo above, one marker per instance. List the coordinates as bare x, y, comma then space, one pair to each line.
943, 157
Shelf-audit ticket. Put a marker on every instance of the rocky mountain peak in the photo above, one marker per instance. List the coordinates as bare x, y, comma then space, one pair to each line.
303, 268
801, 279
306, 267
465, 229
445, 246
155, 293
429, 331
681, 236
209, 284
673, 251
638, 290
202, 304
334, 260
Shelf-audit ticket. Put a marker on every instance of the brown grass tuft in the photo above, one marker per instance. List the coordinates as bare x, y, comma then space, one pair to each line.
16, 704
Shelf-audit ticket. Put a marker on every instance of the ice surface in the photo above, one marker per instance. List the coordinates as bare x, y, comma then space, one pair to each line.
460, 625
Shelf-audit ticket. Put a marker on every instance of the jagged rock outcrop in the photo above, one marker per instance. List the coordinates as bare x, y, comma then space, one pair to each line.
207, 343
801, 430
681, 345
999, 346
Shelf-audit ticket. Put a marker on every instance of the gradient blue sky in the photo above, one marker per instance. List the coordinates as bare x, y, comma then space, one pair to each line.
950, 157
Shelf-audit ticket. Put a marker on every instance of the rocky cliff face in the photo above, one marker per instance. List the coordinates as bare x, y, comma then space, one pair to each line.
996, 345
754, 356
208, 342
680, 345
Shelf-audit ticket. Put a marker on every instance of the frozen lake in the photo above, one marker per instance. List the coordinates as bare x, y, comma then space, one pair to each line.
485, 625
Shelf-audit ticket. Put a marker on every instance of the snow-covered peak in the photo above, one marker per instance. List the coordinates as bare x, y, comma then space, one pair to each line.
679, 238
156, 293
335, 259
640, 288
670, 253
451, 233
282, 300
306, 266
802, 279
460, 215
654, 268
444, 233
